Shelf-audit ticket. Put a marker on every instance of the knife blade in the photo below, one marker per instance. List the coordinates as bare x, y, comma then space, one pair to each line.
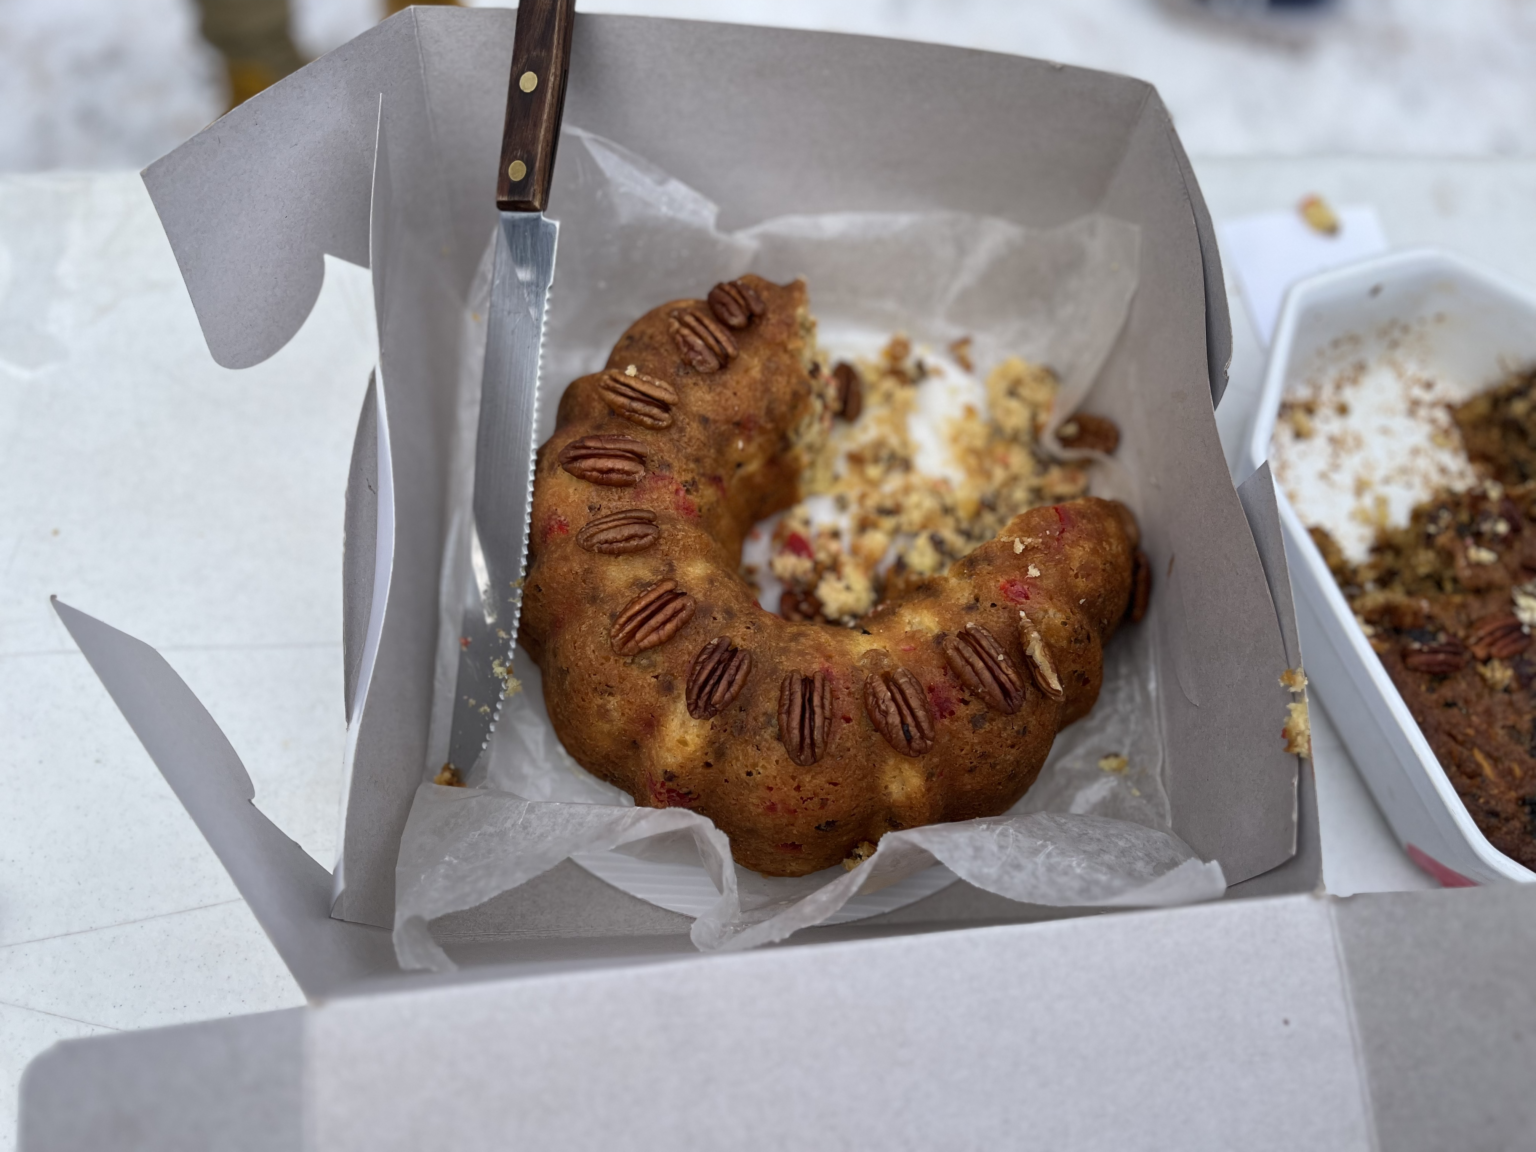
522, 271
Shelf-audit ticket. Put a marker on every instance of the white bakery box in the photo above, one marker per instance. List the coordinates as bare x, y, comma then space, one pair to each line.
580, 1016
1442, 317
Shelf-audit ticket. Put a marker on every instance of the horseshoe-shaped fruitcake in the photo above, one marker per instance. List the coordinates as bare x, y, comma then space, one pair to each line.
803, 742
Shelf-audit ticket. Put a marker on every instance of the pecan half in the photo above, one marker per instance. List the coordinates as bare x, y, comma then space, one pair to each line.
1498, 637
848, 400
1437, 659
705, 345
799, 607
1039, 660
898, 708
1093, 433
716, 677
981, 664
805, 716
735, 303
619, 533
1141, 586
651, 618
640, 399
613, 461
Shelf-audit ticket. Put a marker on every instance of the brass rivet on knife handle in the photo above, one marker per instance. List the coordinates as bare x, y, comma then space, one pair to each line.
541, 54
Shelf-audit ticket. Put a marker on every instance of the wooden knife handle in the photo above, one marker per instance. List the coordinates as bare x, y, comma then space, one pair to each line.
541, 57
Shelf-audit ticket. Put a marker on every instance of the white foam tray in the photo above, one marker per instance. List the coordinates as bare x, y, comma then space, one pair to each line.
1476, 325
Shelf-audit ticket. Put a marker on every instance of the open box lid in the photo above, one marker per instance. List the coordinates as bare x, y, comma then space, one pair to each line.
1402, 1021
380, 153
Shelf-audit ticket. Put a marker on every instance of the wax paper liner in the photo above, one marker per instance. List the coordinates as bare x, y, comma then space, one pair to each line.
1094, 829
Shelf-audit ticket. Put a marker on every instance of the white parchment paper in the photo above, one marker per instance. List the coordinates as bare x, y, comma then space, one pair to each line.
1085, 835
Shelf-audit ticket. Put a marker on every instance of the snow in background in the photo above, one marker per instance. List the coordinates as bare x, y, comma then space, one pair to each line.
116, 83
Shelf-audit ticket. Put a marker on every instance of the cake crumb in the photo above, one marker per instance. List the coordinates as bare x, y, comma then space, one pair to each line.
1293, 680
861, 852
1477, 554
1524, 597
1298, 730
1115, 763
1496, 674
448, 776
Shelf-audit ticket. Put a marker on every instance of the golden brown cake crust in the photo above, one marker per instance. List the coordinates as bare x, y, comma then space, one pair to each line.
800, 741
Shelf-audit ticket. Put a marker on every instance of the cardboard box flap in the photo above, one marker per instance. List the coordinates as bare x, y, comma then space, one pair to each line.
1079, 1054
359, 553
1218, 322
1445, 1013
288, 892
1400, 1021
1304, 870
1221, 650
240, 1092
250, 212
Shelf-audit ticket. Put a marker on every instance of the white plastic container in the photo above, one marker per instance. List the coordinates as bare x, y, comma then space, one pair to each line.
1473, 326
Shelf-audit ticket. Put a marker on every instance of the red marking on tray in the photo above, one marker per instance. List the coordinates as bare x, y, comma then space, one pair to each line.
1014, 590
1448, 877
799, 545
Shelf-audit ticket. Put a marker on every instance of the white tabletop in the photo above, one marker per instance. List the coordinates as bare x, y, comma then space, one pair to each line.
201, 510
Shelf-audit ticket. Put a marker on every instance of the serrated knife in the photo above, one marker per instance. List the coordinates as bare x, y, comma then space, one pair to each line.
509, 392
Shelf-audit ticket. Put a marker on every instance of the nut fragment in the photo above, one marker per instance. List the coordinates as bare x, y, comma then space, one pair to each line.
640, 399
1089, 433
613, 461
1436, 658
1039, 660
716, 677
651, 618
705, 345
1141, 586
859, 853
981, 664
848, 400
1498, 637
898, 708
805, 716
619, 533
799, 607
735, 303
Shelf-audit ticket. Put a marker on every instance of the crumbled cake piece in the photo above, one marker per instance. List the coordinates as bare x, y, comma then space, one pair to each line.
904, 525
1298, 729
